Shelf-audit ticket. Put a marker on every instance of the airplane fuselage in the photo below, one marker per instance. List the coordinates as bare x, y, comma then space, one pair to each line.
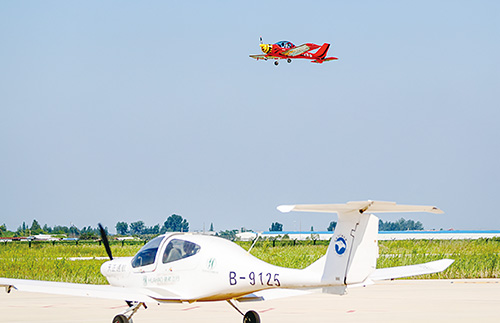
203, 276
274, 50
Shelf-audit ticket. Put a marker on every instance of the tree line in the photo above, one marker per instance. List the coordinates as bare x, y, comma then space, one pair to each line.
174, 223
399, 225
72, 231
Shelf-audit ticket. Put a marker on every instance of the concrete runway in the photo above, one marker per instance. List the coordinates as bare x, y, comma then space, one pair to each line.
392, 301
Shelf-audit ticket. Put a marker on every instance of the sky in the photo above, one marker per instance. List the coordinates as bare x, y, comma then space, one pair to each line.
124, 111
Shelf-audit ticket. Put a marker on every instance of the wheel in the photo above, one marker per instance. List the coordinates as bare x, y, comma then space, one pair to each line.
251, 317
276, 63
120, 318
289, 60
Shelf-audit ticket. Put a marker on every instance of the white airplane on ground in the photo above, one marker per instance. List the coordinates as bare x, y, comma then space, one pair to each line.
175, 267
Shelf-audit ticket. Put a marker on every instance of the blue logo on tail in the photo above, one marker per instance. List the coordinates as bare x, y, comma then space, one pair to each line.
340, 246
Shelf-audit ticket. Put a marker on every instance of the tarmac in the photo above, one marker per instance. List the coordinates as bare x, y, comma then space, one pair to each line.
476, 300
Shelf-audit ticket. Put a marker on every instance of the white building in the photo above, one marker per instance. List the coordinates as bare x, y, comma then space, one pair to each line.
382, 235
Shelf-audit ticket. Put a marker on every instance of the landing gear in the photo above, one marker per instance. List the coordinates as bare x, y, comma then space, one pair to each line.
126, 316
251, 317
248, 317
289, 60
120, 318
276, 63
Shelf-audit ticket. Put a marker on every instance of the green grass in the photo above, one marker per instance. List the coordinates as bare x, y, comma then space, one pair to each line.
299, 256
40, 261
473, 258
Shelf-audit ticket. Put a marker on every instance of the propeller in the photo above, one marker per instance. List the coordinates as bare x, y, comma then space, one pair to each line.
104, 239
261, 40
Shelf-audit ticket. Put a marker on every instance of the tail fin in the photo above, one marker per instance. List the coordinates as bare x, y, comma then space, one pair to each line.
353, 251
321, 53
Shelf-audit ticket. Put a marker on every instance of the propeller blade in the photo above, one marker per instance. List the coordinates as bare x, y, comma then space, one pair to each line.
104, 238
261, 39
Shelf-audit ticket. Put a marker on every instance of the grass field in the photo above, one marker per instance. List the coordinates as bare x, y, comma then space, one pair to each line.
473, 258
45, 261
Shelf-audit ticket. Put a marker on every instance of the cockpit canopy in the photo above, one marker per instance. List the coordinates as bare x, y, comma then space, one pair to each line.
285, 44
176, 249
179, 249
147, 254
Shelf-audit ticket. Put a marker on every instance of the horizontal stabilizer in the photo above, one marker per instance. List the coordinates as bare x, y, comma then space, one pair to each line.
275, 293
359, 206
412, 270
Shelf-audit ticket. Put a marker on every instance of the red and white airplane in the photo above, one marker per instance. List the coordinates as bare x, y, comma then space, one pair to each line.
176, 268
287, 50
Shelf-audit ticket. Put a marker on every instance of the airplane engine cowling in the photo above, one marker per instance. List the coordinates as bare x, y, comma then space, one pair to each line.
266, 48
116, 269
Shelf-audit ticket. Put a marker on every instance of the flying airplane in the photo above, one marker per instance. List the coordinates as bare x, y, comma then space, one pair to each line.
176, 267
286, 50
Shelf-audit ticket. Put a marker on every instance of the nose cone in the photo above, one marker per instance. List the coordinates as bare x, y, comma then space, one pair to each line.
265, 48
116, 267
105, 268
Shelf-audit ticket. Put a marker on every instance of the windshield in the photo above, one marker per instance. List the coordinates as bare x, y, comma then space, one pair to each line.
179, 249
147, 254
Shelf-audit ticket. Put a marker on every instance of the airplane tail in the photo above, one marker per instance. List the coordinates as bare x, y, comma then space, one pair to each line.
321, 53
353, 251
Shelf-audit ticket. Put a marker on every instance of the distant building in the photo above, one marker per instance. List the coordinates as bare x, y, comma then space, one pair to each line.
382, 235
246, 236
44, 237
126, 238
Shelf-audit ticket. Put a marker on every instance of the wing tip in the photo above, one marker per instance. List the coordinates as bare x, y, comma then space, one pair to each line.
447, 262
436, 210
285, 208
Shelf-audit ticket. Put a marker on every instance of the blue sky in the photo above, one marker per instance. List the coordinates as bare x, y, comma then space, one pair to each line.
125, 111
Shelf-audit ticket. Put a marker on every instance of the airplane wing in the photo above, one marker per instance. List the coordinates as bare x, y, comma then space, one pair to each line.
258, 57
412, 270
297, 50
87, 290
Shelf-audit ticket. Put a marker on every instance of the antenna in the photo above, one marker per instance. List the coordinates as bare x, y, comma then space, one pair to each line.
253, 244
